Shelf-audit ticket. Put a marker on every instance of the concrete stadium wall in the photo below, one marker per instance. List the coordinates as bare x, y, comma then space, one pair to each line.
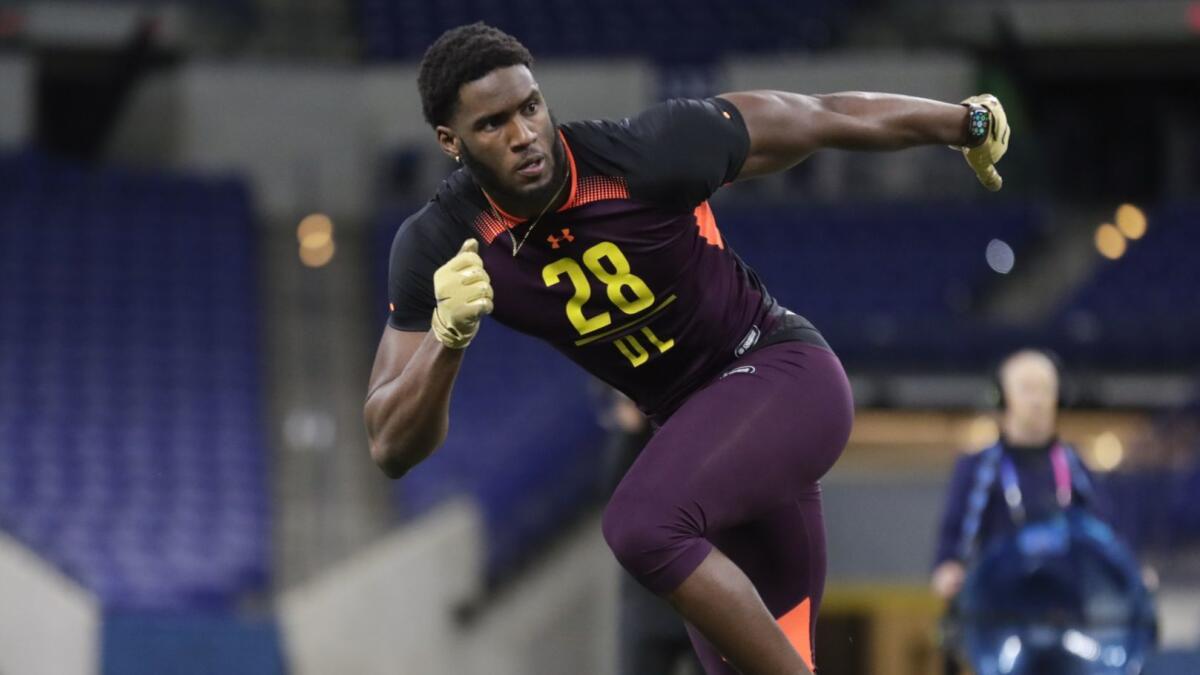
48, 624
301, 133
575, 90
16, 104
881, 528
390, 608
298, 131
916, 173
1179, 618
559, 617
938, 75
312, 137
395, 609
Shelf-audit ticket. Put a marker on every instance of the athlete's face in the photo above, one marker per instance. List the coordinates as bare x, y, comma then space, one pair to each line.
505, 135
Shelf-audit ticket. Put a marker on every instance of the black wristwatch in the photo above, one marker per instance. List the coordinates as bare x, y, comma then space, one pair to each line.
979, 120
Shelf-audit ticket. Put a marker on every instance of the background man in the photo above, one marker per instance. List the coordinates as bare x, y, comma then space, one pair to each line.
1027, 476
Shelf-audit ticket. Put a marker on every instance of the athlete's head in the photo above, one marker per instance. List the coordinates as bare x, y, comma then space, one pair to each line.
479, 95
1029, 381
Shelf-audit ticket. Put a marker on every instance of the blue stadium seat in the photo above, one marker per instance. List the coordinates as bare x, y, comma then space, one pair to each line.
190, 644
1143, 305
669, 31
891, 284
131, 444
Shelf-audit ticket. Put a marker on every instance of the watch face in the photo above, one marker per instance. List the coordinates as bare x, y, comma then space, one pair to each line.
978, 127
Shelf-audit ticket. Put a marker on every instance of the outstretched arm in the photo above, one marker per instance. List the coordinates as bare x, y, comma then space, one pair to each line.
786, 128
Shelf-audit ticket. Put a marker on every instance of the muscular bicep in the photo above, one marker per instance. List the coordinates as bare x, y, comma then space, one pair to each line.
408, 399
396, 349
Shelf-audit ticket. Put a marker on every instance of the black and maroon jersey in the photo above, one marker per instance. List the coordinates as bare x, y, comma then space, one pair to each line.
630, 278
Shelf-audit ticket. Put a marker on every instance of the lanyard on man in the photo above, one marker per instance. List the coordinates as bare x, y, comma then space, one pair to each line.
996, 463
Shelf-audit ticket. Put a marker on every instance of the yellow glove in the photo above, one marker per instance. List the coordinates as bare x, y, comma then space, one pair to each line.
464, 294
984, 156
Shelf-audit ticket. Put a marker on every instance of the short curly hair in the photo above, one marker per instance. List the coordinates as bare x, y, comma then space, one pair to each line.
461, 55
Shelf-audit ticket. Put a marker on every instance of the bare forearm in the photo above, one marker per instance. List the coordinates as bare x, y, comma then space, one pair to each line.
407, 417
895, 122
786, 128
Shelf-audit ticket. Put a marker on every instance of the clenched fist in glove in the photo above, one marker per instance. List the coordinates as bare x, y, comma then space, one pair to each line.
464, 294
987, 129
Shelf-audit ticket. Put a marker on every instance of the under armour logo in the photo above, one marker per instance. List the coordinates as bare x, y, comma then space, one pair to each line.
566, 235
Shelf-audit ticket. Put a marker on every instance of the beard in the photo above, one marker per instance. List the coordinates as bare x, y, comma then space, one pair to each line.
520, 201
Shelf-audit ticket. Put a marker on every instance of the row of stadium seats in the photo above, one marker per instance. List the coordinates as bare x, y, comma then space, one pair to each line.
862, 273
889, 284
1141, 308
670, 31
131, 435
849, 262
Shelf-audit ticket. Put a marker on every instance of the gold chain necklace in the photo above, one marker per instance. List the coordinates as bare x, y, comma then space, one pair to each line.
517, 246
